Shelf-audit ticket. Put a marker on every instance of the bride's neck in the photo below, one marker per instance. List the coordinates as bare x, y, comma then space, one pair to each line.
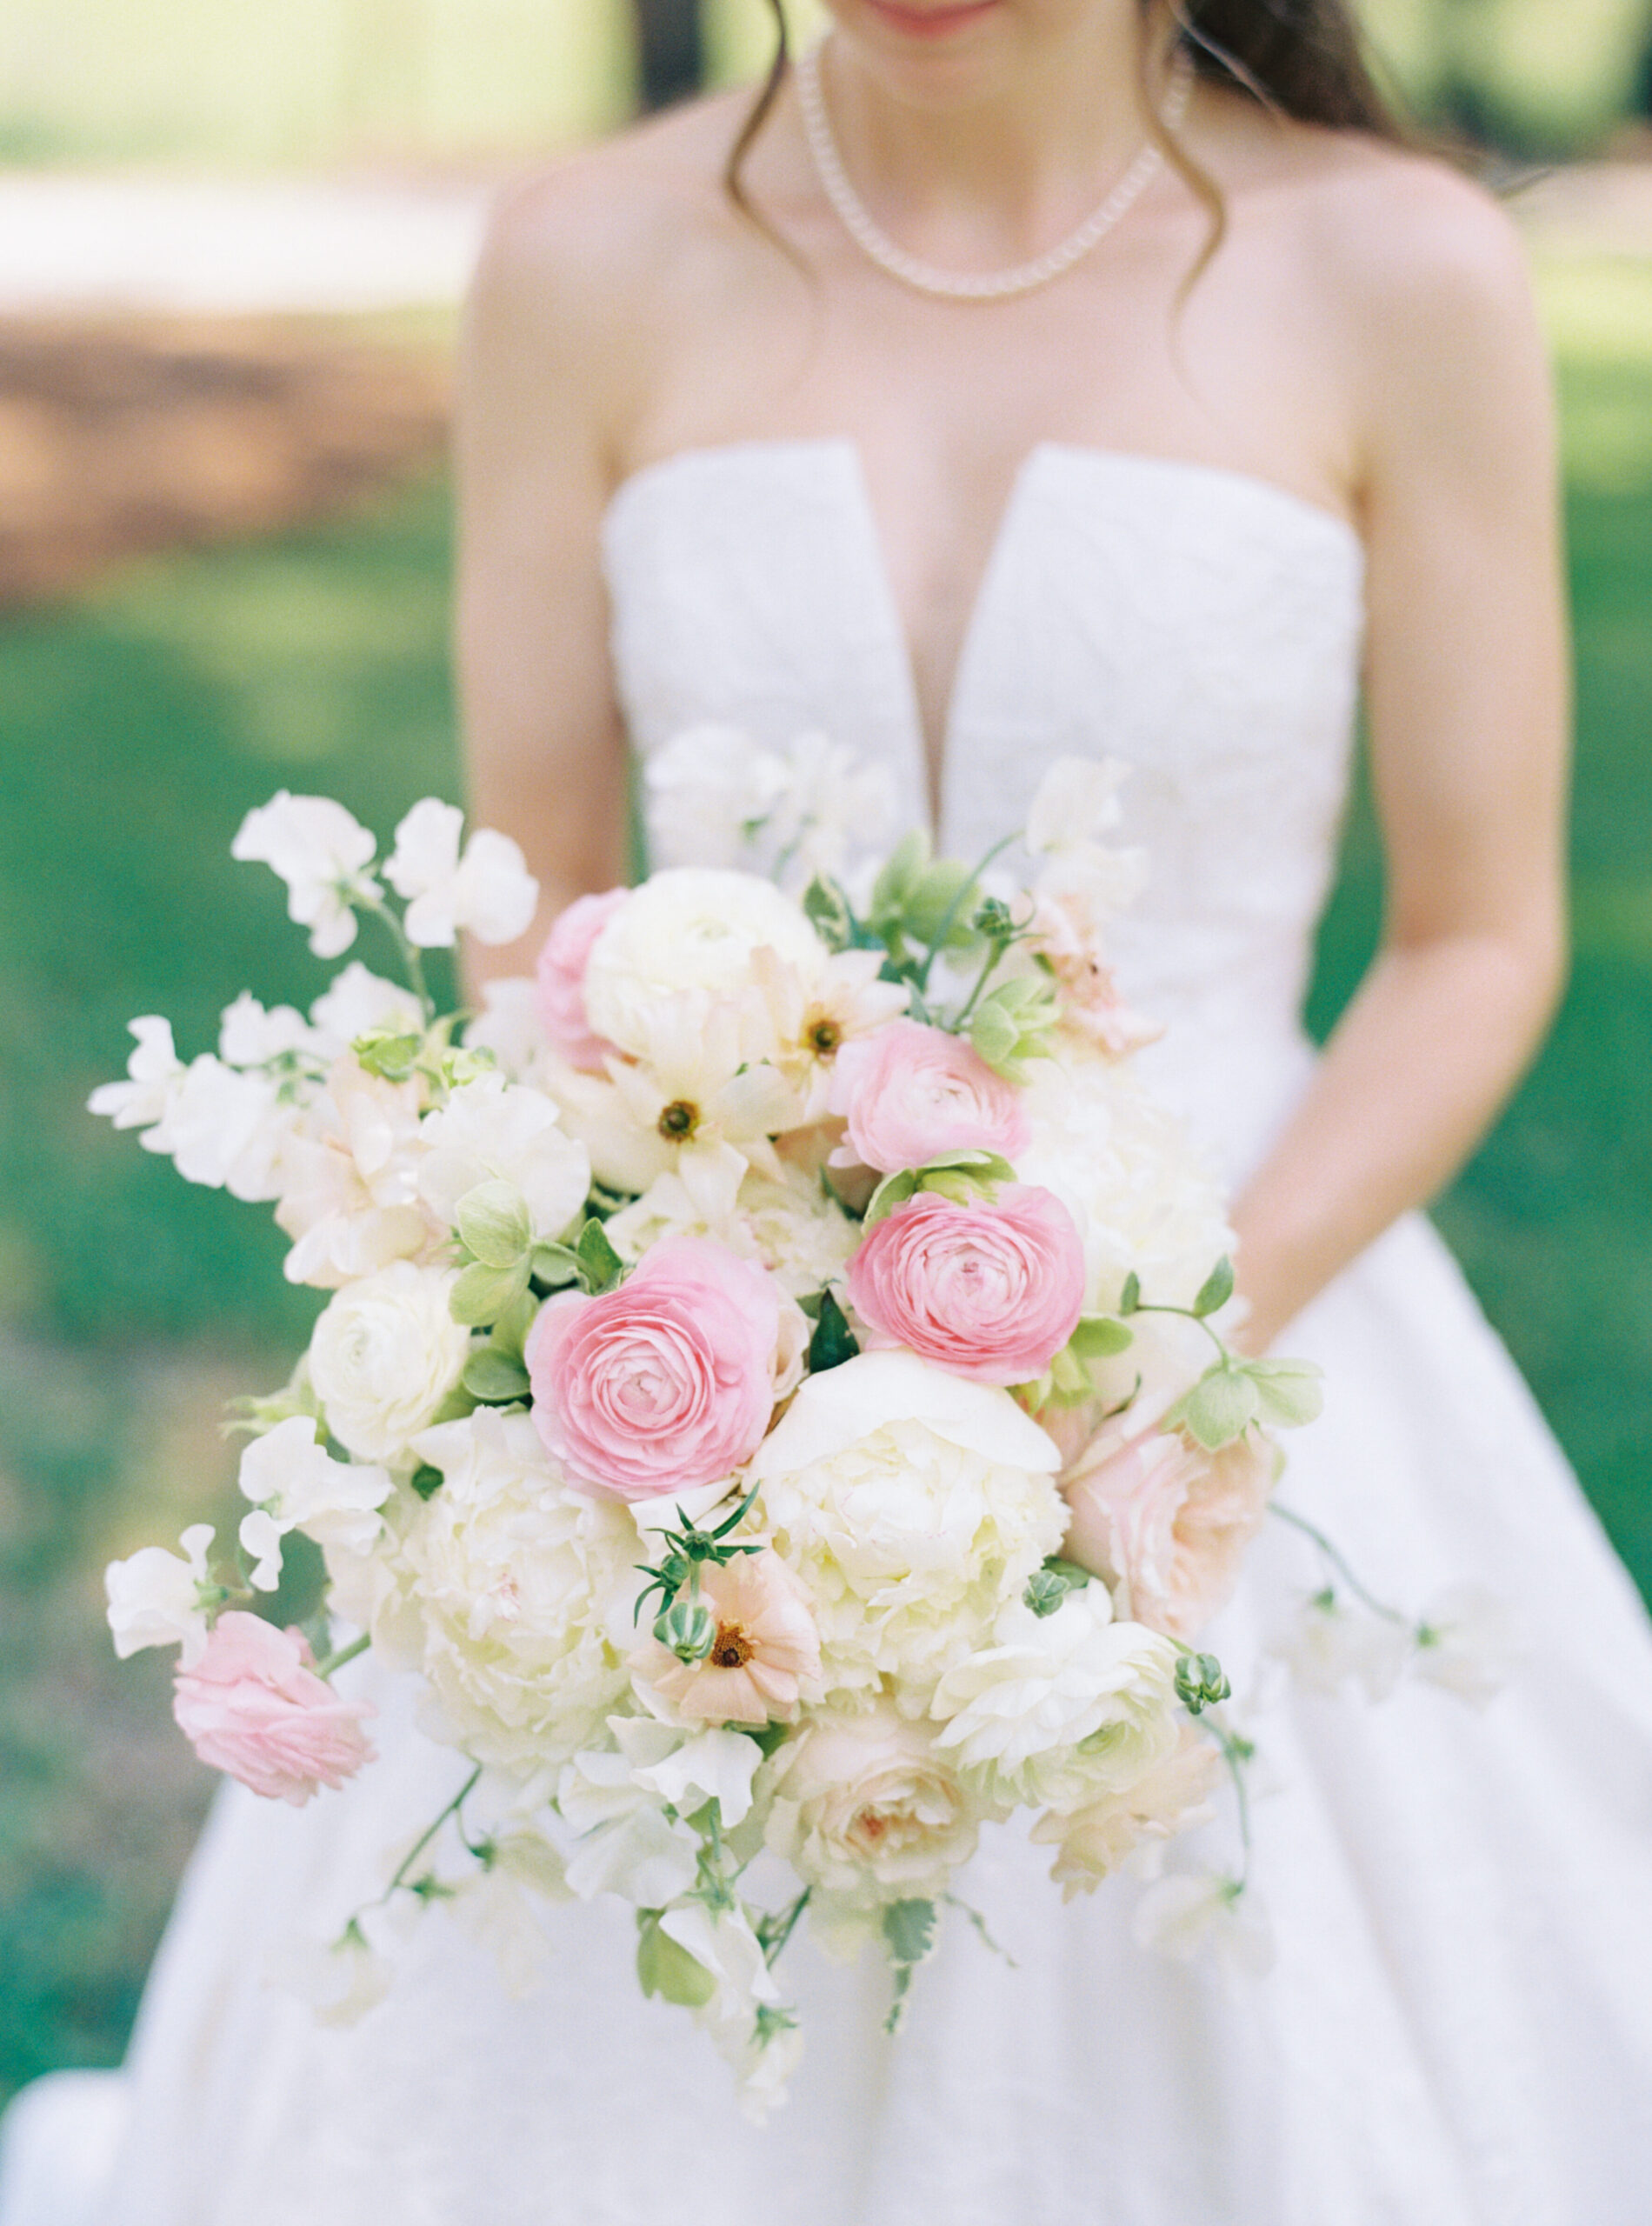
999, 147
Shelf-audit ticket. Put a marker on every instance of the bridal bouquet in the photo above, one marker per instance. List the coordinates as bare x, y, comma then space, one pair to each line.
773, 1390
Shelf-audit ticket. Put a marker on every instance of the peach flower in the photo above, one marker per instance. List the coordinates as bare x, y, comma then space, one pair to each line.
560, 978
992, 1290
1166, 1522
252, 1705
912, 1093
767, 1648
1092, 1842
666, 1383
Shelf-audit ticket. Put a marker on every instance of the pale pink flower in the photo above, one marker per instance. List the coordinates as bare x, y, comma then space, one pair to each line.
1067, 931
560, 977
252, 1705
665, 1383
1166, 1522
1092, 1842
865, 1805
767, 1648
912, 1093
992, 1290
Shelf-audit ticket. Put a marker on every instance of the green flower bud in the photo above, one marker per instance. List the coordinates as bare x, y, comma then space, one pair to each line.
688, 1628
1046, 1589
1200, 1681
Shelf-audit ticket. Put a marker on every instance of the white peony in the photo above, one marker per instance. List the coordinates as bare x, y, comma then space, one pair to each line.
688, 929
912, 1503
154, 1598
494, 1131
384, 1356
323, 855
488, 890
866, 1808
1061, 1708
1142, 1197
508, 1584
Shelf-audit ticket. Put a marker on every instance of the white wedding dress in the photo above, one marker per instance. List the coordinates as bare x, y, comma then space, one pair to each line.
1457, 2030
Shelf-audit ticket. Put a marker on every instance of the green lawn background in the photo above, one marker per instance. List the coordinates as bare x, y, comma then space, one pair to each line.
142, 722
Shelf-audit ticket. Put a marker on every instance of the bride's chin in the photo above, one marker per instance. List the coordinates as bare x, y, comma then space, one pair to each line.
924, 46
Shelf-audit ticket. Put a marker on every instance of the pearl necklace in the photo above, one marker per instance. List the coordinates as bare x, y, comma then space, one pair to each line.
961, 286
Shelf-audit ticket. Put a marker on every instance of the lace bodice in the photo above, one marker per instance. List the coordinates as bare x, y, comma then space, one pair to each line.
1202, 625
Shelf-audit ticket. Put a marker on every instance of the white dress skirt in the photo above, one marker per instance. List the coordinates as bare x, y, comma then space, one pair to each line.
1457, 2027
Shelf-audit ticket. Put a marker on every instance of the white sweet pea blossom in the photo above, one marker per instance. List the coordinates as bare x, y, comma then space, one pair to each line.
1076, 801
724, 1944
154, 1072
226, 1129
325, 858
1470, 1641
627, 1844
340, 1982
1329, 1645
357, 1003
251, 1036
494, 1131
1186, 1918
154, 1598
712, 1766
709, 792
294, 1484
350, 1180
509, 1025
499, 1908
486, 889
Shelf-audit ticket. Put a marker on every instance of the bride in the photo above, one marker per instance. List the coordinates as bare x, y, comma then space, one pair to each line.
1037, 376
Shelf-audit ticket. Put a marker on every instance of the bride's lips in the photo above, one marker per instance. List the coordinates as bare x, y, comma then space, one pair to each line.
929, 23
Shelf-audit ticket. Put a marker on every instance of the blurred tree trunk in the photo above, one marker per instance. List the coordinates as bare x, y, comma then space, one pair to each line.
671, 51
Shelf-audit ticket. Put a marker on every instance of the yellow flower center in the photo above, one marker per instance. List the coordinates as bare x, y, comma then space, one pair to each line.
679, 1119
733, 1649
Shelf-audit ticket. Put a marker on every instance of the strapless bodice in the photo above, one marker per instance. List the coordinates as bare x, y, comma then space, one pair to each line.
1200, 625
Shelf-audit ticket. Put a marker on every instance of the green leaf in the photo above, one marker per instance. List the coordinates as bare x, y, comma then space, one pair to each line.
937, 905
908, 1927
827, 910
1289, 1392
493, 1222
510, 1331
894, 1190
493, 1377
833, 1341
1130, 1297
554, 1265
901, 870
1098, 1336
425, 1480
996, 1037
482, 1294
391, 1057
600, 1265
1216, 1289
1219, 1406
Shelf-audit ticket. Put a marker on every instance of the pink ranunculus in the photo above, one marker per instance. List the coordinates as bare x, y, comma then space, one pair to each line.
992, 1290
1168, 1521
665, 1383
560, 978
912, 1093
252, 1705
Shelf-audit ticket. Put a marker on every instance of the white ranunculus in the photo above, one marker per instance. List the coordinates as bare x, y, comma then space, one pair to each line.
1062, 1708
153, 1072
688, 928
323, 855
507, 1585
865, 1806
384, 1356
154, 1598
294, 1484
488, 890
491, 1130
359, 1003
912, 1503
1330, 1645
251, 1036
1471, 1642
1186, 1918
1143, 1197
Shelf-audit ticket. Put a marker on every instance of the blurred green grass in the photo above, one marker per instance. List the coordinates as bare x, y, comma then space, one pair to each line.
142, 720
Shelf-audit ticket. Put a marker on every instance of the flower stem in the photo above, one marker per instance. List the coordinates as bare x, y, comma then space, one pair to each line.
1236, 1753
1188, 1314
788, 1926
1338, 1561
341, 1655
993, 957
428, 1835
412, 963
949, 917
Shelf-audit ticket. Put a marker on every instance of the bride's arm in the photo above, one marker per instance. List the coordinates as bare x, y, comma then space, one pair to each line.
1468, 702
544, 367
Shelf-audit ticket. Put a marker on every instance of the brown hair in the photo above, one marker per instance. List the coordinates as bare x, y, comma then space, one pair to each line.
1303, 58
